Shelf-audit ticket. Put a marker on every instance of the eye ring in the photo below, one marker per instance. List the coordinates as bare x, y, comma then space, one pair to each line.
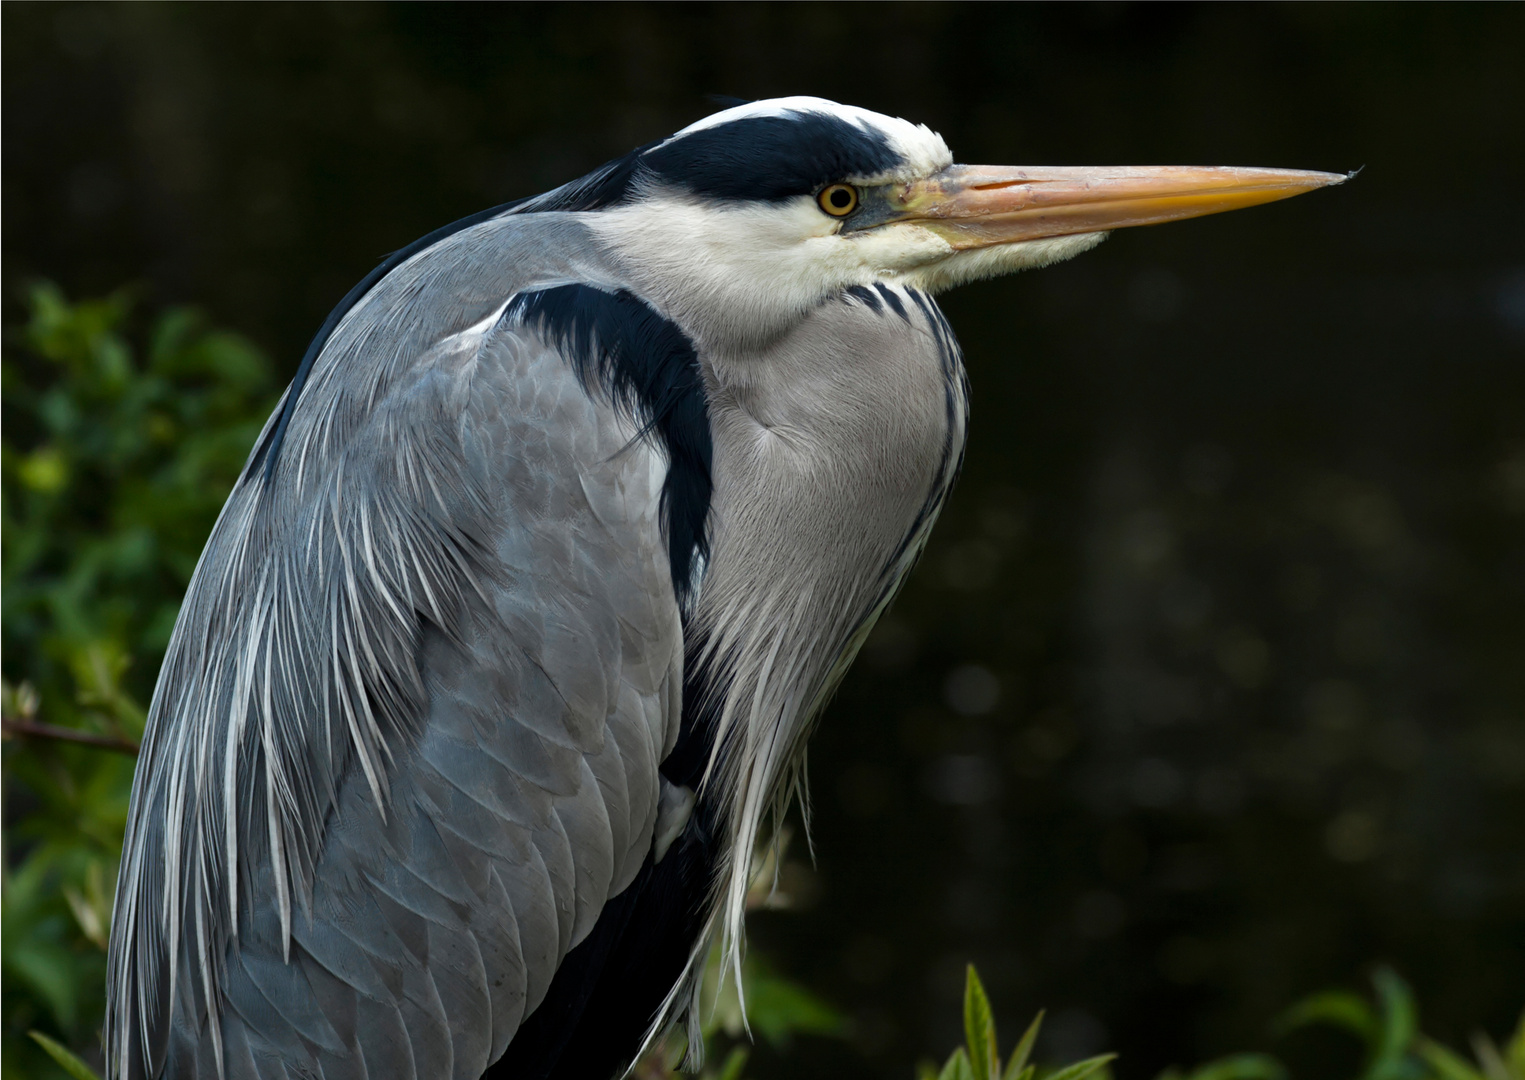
838, 200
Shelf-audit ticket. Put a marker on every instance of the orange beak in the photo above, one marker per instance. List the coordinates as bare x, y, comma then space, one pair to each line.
974, 206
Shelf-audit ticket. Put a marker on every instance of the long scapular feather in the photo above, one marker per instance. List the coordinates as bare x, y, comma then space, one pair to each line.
294, 658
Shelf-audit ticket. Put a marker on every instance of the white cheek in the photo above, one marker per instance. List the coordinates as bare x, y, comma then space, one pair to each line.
889, 251
966, 266
745, 270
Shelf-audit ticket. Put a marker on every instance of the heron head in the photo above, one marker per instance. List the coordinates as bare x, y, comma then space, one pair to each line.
743, 222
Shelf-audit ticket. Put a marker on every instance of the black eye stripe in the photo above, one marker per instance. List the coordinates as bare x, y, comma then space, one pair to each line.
772, 157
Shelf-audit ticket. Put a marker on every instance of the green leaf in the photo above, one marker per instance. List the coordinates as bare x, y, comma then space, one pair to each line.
1398, 1024
64, 1056
1082, 1069
926, 1070
958, 1067
1338, 1008
1493, 1064
1446, 1063
1017, 1066
1241, 1067
979, 1028
1514, 1052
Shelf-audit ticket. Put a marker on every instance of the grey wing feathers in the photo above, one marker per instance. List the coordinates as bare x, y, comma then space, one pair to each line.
405, 744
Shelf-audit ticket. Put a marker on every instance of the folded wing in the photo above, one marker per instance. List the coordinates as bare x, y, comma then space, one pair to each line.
405, 745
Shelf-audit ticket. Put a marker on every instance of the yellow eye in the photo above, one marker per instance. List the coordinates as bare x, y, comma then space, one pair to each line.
838, 200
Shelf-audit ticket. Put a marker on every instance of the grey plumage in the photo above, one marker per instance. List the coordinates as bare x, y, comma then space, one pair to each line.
494, 638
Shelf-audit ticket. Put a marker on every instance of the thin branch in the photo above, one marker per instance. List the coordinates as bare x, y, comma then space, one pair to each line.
37, 730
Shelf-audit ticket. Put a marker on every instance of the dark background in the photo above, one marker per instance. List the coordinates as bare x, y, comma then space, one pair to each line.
1210, 690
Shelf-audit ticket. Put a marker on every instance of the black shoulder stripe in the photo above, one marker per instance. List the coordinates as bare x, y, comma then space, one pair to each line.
648, 366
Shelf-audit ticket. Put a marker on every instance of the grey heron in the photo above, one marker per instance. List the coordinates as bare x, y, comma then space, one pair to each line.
503, 653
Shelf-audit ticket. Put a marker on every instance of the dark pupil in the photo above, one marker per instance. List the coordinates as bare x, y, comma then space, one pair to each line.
840, 198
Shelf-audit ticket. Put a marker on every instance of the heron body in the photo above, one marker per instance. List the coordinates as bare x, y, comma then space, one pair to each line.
508, 640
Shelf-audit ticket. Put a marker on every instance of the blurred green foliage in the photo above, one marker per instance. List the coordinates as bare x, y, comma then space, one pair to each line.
119, 450
121, 440
1395, 1047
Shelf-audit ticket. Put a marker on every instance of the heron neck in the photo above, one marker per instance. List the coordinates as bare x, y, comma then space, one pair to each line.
833, 454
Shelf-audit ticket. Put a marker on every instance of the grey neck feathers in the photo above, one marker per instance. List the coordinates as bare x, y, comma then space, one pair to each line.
832, 458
